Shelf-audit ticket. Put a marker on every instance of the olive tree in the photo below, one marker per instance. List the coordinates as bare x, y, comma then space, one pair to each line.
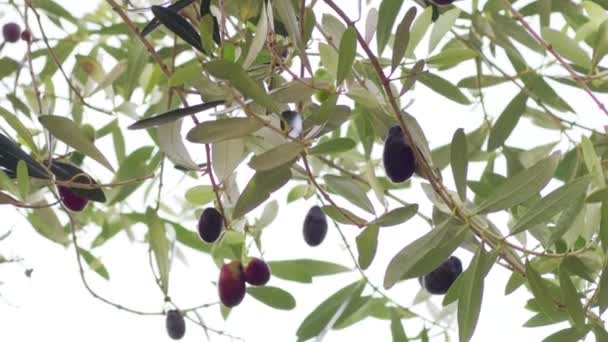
243, 99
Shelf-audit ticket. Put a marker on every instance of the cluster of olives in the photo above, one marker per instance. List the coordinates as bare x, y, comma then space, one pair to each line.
12, 32
439, 281
233, 279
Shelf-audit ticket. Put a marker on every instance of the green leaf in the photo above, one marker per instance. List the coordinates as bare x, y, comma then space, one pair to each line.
425, 254
227, 156
209, 132
159, 245
566, 219
273, 296
482, 81
367, 243
601, 335
597, 196
570, 298
567, 335
551, 205
419, 28
397, 328
23, 179
189, 238
239, 78
259, 188
16, 124
200, 195
178, 25
451, 57
507, 121
402, 38
566, 46
541, 292
442, 26
318, 319
46, 223
174, 115
522, 186
62, 50
277, 156
259, 39
72, 135
347, 218
94, 263
207, 29
51, 7
7, 66
346, 188
603, 292
289, 18
443, 87
604, 226
347, 54
304, 270
471, 293
387, 14
397, 216
459, 161
333, 146
593, 163
134, 165
600, 48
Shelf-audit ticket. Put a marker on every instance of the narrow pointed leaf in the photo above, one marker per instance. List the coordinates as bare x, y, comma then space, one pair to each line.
317, 320
23, 179
540, 291
209, 132
347, 54
333, 146
239, 79
424, 254
507, 121
397, 328
94, 263
72, 135
521, 186
552, 204
259, 188
397, 216
304, 270
471, 294
402, 38
367, 243
442, 26
351, 191
387, 14
603, 294
570, 298
273, 296
159, 246
277, 156
459, 162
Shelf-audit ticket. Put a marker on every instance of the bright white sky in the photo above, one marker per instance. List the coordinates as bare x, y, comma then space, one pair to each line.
53, 305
